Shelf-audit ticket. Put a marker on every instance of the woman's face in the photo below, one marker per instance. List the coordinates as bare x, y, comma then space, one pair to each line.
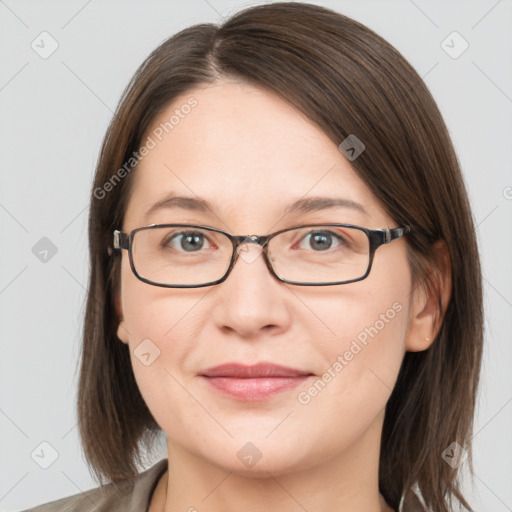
250, 155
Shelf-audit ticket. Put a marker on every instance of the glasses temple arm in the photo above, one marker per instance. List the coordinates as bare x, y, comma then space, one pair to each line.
121, 240
394, 233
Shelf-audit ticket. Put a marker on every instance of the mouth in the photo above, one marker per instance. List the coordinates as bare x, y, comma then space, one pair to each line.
253, 383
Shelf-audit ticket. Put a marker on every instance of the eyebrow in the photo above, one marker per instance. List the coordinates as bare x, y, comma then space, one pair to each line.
304, 205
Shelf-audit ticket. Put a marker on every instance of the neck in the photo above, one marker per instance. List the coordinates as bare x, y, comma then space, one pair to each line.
344, 482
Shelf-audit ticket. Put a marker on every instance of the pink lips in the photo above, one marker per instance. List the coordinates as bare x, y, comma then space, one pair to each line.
252, 383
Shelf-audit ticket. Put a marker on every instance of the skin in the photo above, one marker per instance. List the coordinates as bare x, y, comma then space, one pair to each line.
250, 154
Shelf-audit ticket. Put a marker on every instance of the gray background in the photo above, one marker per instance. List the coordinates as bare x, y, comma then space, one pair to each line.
54, 112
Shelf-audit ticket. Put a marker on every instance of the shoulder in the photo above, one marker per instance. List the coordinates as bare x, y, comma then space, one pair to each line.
132, 495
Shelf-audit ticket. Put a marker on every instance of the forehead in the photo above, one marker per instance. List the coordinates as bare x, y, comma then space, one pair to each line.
244, 150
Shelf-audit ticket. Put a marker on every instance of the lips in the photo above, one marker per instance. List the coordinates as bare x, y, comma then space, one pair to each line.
255, 382
259, 370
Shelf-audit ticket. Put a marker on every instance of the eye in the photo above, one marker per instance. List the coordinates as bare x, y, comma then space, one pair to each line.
187, 241
323, 240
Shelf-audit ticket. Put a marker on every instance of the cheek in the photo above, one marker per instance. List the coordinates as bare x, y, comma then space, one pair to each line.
162, 325
155, 312
367, 321
366, 325
170, 320
362, 358
366, 338
162, 330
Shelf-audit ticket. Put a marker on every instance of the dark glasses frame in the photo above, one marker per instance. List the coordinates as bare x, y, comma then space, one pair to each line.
376, 237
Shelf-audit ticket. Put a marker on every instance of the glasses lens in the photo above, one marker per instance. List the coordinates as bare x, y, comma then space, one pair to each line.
320, 254
181, 255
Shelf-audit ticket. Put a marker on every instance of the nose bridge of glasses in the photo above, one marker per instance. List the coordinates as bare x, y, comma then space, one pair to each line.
251, 239
244, 251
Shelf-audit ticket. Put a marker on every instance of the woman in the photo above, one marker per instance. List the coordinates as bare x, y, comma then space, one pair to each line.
284, 279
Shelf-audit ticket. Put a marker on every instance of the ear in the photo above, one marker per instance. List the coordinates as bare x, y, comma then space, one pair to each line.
122, 333
428, 305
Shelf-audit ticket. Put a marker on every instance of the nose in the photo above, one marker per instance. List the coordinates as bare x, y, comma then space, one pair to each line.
249, 249
251, 299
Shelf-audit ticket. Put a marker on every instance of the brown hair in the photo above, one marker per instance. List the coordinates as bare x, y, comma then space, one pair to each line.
348, 80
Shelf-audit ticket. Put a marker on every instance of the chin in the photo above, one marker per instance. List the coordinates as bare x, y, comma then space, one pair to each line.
258, 458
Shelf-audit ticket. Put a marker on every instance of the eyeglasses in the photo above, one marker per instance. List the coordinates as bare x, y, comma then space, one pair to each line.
190, 256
